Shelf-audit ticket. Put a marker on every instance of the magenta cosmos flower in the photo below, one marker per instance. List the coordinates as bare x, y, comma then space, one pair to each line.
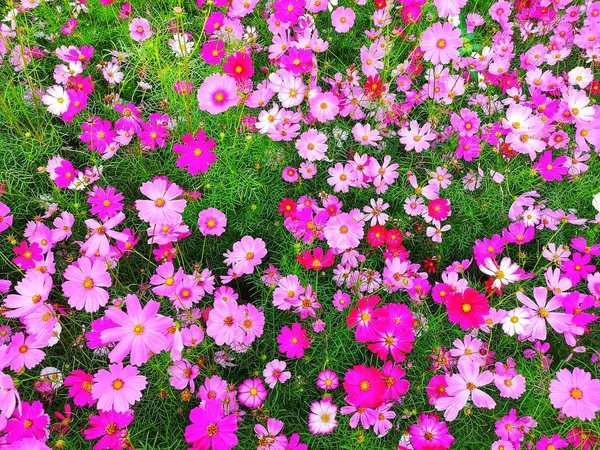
212, 221
196, 153
27, 255
85, 280
118, 387
252, 393
293, 341
575, 393
162, 207
210, 428
217, 94
440, 43
80, 384
30, 421
108, 425
140, 332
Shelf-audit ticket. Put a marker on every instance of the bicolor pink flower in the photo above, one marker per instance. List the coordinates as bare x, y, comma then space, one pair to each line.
321, 419
85, 280
212, 222
118, 387
140, 332
252, 393
217, 94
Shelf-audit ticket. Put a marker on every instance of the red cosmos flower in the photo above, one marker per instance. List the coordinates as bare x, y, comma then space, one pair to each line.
394, 237
287, 207
377, 235
365, 386
317, 260
594, 88
380, 4
467, 309
374, 86
489, 289
239, 66
430, 265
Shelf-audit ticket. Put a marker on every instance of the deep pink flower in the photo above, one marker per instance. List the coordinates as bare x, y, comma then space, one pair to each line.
239, 66
210, 428
252, 393
196, 154
109, 425
293, 341
106, 203
27, 255
81, 387
29, 422
365, 386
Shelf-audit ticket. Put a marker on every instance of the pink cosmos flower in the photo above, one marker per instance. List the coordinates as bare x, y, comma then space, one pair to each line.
97, 244
24, 352
108, 425
105, 203
312, 145
140, 29
9, 396
269, 437
140, 332
416, 138
210, 428
118, 387
221, 324
85, 280
293, 341
543, 313
80, 390
575, 393
162, 207
342, 19
321, 419
217, 94
252, 393
6, 221
275, 372
196, 154
440, 43
328, 380
182, 374
246, 254
27, 255
364, 135
463, 386
212, 222
343, 232
324, 106
32, 291
287, 293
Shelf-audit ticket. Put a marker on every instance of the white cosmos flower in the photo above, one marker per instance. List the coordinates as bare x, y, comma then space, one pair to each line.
57, 100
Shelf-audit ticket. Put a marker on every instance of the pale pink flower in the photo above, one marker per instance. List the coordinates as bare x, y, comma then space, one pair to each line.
118, 387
